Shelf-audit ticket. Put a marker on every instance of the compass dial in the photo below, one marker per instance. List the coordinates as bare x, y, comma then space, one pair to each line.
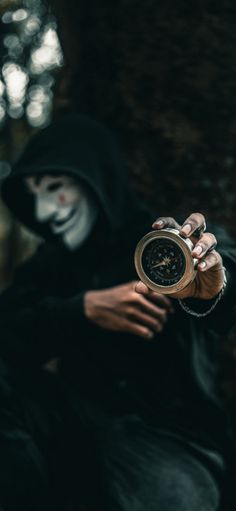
163, 262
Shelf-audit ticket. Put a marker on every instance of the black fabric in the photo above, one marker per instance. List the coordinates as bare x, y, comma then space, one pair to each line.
172, 476
52, 455
169, 384
47, 454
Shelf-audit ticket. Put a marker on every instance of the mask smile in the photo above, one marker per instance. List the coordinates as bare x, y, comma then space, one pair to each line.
60, 225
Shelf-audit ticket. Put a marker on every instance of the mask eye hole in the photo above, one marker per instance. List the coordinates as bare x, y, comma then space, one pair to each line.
54, 186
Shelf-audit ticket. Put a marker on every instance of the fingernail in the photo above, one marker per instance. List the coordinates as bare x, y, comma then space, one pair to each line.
158, 224
202, 264
197, 250
186, 229
150, 335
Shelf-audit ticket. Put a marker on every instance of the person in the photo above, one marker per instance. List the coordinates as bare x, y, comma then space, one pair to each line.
132, 418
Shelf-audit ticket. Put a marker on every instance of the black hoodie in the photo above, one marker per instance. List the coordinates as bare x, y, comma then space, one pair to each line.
172, 380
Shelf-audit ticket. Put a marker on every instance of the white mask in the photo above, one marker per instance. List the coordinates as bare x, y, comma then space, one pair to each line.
65, 205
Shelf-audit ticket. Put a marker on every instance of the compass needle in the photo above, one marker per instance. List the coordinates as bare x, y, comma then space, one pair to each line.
161, 263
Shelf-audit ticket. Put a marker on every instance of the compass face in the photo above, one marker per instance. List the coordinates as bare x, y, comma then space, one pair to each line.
163, 262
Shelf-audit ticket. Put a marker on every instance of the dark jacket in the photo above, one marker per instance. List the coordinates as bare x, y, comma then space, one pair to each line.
171, 380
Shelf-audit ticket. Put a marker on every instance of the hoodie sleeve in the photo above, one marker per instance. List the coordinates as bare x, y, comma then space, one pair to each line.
35, 325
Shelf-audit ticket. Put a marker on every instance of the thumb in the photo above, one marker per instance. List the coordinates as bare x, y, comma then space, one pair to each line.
141, 288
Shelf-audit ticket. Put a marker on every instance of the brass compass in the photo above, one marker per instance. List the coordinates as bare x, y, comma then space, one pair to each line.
164, 262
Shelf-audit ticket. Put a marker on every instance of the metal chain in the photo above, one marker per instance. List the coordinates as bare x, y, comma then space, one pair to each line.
187, 309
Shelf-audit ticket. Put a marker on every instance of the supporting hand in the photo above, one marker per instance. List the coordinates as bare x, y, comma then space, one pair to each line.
121, 309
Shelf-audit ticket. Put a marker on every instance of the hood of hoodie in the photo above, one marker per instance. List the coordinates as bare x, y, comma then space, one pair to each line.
79, 146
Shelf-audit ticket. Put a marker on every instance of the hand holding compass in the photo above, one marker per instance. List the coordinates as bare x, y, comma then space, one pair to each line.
180, 260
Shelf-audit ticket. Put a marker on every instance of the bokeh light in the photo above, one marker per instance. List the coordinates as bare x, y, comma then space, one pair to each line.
2, 88
31, 55
16, 80
7, 17
48, 54
2, 113
19, 15
31, 26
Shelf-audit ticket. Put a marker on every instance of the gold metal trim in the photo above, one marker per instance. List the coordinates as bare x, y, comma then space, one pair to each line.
185, 245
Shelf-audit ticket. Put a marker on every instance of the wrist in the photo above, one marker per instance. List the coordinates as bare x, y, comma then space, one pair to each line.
211, 303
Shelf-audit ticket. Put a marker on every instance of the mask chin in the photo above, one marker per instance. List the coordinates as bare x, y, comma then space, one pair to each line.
74, 237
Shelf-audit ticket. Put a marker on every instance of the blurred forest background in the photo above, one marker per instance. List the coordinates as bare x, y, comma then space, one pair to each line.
160, 73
